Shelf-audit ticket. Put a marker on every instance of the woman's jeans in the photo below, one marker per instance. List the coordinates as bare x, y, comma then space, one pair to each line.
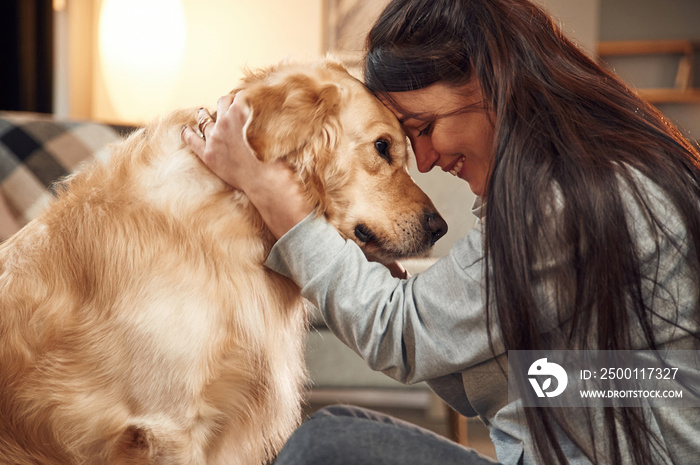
339, 435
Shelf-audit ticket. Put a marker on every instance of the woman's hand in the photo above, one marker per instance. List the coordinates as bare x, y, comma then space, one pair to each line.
273, 187
222, 147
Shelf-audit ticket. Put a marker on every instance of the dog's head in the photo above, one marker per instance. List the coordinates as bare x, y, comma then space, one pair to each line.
349, 151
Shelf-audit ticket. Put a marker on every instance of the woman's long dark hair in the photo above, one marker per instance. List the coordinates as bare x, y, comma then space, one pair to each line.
560, 119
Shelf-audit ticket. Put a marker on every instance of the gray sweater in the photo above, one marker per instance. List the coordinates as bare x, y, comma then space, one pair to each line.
432, 327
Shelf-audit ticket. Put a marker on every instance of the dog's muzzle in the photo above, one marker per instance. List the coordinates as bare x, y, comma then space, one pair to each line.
433, 225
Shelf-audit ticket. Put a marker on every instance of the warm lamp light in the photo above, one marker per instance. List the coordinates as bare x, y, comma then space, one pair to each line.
142, 47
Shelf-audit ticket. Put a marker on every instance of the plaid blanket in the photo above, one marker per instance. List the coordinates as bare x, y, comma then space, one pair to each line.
37, 150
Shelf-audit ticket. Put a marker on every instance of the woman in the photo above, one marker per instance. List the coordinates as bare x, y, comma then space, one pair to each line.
588, 240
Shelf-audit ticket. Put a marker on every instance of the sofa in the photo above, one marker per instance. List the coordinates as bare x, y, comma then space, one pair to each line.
38, 149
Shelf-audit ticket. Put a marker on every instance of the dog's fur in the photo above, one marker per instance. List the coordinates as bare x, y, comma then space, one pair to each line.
139, 324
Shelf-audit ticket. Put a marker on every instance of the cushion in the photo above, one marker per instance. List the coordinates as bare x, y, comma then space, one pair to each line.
36, 150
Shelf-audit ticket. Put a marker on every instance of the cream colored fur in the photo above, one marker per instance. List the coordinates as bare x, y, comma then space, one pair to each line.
139, 324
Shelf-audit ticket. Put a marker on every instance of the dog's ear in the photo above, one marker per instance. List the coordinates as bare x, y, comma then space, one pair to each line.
287, 117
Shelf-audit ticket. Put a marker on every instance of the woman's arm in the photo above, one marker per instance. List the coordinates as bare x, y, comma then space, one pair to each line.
431, 325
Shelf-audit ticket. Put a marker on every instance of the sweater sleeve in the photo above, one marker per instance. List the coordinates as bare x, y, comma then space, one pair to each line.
422, 328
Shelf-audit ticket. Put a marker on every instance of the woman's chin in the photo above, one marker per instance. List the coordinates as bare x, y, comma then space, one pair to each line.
476, 188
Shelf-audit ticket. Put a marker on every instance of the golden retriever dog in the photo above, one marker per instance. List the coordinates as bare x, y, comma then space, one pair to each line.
139, 324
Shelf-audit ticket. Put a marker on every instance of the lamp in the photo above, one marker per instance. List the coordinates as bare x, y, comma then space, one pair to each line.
141, 51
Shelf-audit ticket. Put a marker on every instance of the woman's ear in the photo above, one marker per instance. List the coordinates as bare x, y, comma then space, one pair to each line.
288, 116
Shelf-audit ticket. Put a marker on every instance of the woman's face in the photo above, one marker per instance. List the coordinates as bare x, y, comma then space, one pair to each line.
448, 127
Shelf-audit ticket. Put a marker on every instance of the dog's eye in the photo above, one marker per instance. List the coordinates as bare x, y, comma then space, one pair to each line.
382, 148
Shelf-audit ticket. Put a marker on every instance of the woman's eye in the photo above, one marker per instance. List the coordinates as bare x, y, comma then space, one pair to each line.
426, 130
382, 148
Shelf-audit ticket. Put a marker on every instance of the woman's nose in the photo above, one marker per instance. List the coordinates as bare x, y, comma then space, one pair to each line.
426, 156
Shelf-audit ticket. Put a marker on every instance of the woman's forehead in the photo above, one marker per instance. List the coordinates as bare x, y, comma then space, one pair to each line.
438, 99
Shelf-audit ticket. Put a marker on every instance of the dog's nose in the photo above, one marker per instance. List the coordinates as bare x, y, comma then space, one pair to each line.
436, 226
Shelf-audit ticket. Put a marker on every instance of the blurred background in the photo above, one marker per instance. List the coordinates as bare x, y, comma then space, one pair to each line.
121, 62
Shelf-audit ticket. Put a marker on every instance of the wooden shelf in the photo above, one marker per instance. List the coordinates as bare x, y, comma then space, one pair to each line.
670, 95
683, 91
647, 47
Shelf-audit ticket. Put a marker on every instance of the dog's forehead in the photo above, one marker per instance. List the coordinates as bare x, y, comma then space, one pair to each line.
366, 109
316, 71
361, 112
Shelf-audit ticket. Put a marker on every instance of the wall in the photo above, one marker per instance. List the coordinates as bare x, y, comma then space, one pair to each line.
221, 39
578, 19
649, 19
